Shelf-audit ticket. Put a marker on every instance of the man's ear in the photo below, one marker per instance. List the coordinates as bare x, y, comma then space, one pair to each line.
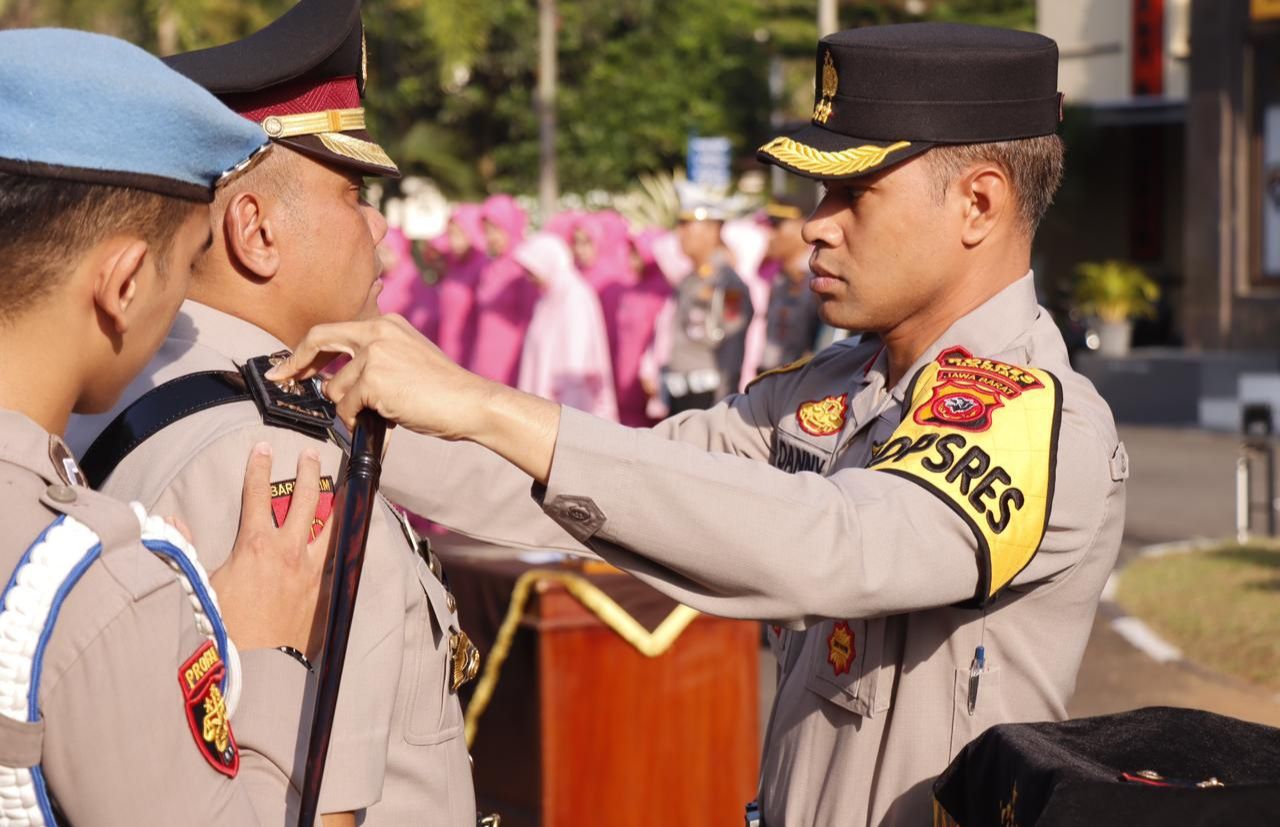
252, 243
117, 263
988, 201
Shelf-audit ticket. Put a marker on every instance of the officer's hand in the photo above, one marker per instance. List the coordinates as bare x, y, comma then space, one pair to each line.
398, 373
269, 589
395, 371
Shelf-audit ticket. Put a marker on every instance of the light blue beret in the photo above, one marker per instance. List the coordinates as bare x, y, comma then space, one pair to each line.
91, 108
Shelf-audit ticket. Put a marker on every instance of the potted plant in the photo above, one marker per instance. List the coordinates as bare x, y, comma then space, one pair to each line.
1115, 293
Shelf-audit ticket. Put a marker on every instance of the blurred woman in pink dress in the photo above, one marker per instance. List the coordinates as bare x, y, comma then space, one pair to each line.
566, 353
403, 289
602, 249
632, 308
465, 257
504, 297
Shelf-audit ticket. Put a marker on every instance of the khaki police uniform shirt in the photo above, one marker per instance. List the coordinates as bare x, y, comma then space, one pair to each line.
398, 749
860, 572
113, 737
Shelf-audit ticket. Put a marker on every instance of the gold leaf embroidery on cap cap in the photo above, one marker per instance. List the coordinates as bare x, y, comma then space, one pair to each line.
830, 83
845, 162
356, 149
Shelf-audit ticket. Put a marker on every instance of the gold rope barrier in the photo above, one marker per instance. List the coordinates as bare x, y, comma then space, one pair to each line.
650, 644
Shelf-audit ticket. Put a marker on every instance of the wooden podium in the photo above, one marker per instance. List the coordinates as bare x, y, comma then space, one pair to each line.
582, 730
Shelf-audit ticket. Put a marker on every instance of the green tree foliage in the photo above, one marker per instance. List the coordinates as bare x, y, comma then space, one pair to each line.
452, 81
637, 77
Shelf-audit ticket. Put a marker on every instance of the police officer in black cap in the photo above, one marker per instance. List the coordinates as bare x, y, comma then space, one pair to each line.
927, 517
294, 246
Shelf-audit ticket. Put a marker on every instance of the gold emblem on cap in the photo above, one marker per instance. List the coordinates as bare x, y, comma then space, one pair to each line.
830, 83
845, 162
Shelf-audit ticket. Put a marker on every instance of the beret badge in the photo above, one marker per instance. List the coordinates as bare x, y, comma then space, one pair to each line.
830, 83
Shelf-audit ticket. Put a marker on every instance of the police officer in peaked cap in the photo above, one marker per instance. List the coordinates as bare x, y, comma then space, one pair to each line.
295, 244
925, 518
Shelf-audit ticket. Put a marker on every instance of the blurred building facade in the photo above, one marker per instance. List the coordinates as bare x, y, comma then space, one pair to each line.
1173, 136
1232, 242
1124, 70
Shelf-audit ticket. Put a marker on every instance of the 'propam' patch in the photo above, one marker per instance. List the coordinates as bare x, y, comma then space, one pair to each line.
201, 678
982, 436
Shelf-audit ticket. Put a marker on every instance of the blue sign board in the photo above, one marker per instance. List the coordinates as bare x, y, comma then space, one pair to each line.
709, 161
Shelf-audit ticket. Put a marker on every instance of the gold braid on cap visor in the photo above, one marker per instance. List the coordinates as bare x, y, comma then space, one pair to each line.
329, 127
845, 162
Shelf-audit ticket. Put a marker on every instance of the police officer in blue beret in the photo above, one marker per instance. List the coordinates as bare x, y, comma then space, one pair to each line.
123, 698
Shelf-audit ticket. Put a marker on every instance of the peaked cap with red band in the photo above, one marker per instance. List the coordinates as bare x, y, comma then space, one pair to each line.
302, 78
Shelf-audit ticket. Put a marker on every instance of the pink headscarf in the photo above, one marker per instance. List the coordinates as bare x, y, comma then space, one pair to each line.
748, 241
504, 298
631, 310
609, 236
563, 223
457, 288
403, 290
566, 354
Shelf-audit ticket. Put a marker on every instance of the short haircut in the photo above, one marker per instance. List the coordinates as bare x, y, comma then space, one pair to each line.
277, 173
1034, 167
49, 223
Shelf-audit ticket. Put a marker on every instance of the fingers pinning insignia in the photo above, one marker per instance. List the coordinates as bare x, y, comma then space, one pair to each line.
200, 678
282, 498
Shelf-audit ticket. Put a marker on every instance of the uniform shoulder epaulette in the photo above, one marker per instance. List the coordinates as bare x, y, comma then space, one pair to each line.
298, 406
982, 436
781, 369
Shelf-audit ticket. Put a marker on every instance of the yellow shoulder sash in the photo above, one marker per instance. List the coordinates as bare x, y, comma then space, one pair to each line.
982, 436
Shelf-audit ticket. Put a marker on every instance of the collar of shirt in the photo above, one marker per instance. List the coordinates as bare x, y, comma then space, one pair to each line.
25, 444
985, 331
228, 335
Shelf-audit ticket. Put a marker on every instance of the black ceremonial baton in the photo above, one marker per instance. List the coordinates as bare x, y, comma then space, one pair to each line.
355, 504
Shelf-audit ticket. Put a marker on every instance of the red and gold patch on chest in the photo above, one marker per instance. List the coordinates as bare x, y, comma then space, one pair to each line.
842, 649
823, 417
282, 497
200, 678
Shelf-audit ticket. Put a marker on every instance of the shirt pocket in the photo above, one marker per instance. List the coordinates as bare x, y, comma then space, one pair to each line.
434, 714
837, 664
988, 708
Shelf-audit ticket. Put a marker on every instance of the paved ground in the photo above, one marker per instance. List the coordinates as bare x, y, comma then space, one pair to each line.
1183, 487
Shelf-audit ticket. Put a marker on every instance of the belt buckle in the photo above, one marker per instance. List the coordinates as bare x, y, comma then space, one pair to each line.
464, 658
491, 820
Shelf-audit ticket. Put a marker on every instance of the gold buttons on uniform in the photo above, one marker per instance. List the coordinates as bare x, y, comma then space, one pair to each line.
465, 659
450, 602
61, 493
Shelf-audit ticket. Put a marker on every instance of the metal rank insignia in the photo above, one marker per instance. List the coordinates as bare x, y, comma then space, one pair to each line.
465, 659
299, 406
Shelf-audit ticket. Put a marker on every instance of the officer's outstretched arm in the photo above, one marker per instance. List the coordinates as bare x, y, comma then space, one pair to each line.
733, 535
